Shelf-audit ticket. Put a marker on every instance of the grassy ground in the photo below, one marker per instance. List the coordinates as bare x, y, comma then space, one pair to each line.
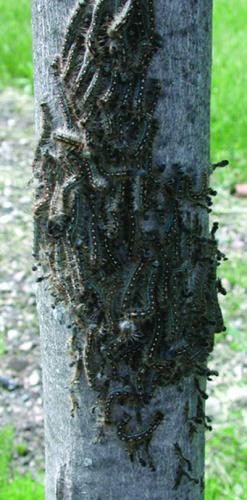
226, 451
14, 486
15, 44
229, 82
227, 446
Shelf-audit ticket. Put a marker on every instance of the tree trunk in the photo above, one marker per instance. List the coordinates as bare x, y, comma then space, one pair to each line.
76, 467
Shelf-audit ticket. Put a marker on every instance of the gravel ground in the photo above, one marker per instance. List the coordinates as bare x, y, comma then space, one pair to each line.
20, 382
20, 375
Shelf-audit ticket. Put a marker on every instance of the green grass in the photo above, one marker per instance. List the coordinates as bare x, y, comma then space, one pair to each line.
15, 44
2, 344
234, 304
229, 97
234, 270
226, 477
14, 486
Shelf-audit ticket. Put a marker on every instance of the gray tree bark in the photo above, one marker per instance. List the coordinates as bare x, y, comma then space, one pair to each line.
76, 468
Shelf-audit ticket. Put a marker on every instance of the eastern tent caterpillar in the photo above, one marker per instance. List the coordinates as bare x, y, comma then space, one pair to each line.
74, 27
149, 309
47, 126
130, 283
110, 223
68, 108
117, 394
120, 19
139, 436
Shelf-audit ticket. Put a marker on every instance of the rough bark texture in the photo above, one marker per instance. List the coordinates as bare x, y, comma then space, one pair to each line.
77, 468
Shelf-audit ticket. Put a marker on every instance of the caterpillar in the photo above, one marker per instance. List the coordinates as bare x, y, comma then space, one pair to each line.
163, 288
113, 212
78, 228
135, 440
90, 368
220, 164
68, 66
134, 274
106, 97
155, 340
139, 437
138, 99
97, 181
69, 138
120, 20
82, 77
37, 239
41, 207
181, 472
138, 194
60, 491
148, 127
198, 388
107, 123
116, 395
93, 241
112, 259
97, 15
179, 453
47, 127
68, 108
93, 87
149, 309
74, 27
60, 277
118, 232
220, 287
74, 271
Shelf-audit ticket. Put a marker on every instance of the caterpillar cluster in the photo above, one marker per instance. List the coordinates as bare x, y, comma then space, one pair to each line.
109, 224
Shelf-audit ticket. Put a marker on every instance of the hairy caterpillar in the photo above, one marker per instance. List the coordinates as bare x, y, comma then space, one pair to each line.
90, 367
97, 15
47, 127
67, 105
135, 440
149, 309
120, 19
83, 76
70, 138
117, 394
139, 436
129, 287
181, 471
92, 88
155, 340
97, 181
106, 97
120, 232
74, 27
93, 239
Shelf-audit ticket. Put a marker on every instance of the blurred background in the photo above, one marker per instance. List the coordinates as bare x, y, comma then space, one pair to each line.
21, 428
